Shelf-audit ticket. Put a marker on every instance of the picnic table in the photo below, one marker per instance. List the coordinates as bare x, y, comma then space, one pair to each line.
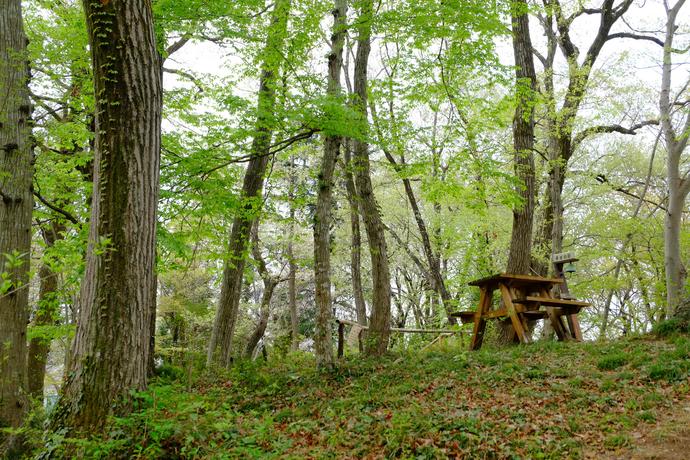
524, 298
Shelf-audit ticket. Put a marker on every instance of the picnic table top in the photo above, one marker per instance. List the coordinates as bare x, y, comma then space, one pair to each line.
515, 279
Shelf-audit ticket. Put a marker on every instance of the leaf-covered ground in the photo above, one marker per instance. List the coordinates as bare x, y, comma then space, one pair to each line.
548, 400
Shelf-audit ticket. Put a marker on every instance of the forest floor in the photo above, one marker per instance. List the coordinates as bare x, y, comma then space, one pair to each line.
624, 399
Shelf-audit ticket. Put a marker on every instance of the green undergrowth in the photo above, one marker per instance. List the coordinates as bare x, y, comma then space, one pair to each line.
546, 400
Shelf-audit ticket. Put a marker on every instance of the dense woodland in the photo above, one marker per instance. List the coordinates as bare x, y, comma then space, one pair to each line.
193, 187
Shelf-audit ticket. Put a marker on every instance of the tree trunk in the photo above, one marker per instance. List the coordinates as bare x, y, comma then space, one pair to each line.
16, 172
560, 122
252, 187
678, 186
47, 313
292, 275
675, 271
520, 253
519, 256
110, 352
270, 284
322, 219
628, 239
356, 241
379, 327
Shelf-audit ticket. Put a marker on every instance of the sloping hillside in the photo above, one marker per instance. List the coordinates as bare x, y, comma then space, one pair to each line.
550, 400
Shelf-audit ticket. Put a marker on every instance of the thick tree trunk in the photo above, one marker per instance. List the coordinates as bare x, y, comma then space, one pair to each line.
47, 313
16, 172
379, 326
252, 187
110, 352
519, 256
560, 142
322, 219
356, 239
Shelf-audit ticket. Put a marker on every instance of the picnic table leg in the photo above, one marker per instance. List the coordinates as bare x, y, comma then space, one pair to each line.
557, 325
555, 319
479, 321
515, 319
575, 330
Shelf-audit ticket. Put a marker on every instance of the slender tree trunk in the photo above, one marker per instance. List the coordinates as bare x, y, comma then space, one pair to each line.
379, 327
628, 239
433, 260
678, 185
47, 313
110, 352
252, 187
322, 219
292, 276
270, 283
356, 240
675, 271
16, 172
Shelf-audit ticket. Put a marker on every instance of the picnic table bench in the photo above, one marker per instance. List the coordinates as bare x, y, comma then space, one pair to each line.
523, 297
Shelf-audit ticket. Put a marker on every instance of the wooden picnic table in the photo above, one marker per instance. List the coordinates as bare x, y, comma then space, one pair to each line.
523, 297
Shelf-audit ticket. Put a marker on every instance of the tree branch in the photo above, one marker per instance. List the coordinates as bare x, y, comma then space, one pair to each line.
603, 180
592, 130
636, 37
186, 75
177, 45
57, 209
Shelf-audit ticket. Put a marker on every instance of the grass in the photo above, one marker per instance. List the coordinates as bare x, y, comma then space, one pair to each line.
547, 400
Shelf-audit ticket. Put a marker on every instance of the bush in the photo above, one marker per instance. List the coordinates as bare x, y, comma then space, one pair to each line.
670, 327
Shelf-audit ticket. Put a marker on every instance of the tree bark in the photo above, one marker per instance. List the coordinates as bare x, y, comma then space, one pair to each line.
252, 188
520, 252
560, 145
16, 172
356, 239
110, 352
322, 218
292, 275
379, 327
678, 184
433, 269
270, 283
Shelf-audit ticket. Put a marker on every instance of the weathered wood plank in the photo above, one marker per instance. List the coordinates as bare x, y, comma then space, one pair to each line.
515, 319
531, 279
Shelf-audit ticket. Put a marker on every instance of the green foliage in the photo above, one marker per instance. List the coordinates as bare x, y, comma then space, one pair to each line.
670, 327
612, 362
521, 402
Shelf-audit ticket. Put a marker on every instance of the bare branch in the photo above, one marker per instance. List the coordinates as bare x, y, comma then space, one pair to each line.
593, 130
636, 37
603, 180
186, 75
177, 45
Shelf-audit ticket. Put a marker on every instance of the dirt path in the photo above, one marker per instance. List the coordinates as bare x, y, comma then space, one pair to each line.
669, 439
